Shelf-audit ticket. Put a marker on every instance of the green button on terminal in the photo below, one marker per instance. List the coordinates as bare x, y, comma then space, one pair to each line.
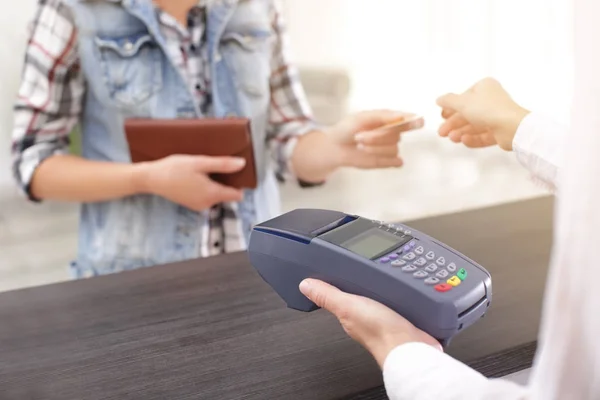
462, 274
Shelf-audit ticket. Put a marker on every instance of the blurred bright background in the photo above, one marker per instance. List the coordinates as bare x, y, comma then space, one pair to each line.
404, 54
393, 54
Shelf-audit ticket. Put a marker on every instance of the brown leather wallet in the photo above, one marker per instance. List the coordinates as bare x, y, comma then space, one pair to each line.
153, 139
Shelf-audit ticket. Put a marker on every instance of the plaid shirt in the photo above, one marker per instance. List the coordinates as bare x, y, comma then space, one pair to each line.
52, 91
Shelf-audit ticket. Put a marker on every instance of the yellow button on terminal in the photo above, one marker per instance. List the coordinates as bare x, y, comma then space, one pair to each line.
454, 281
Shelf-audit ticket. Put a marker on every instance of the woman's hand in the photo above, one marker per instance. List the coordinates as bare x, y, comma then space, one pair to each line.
370, 139
362, 140
375, 326
484, 115
182, 179
185, 180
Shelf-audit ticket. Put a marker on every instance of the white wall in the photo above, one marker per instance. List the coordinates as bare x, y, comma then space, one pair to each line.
317, 30
13, 27
403, 54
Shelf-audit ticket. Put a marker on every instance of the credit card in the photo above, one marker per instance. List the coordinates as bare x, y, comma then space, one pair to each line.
408, 122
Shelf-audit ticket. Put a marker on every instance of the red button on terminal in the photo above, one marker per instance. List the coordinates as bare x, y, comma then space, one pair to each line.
443, 287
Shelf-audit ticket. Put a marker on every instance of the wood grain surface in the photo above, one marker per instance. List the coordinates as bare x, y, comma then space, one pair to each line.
212, 329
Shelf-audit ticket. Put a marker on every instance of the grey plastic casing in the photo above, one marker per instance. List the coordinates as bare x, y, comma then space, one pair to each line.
297, 245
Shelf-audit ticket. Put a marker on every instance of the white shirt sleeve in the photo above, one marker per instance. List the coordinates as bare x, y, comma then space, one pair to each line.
416, 371
567, 365
538, 144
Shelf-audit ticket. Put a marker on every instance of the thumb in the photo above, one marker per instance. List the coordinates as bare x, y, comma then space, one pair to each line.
377, 118
386, 117
224, 165
451, 101
325, 296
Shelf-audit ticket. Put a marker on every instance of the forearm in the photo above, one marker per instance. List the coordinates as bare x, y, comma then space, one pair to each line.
71, 178
314, 157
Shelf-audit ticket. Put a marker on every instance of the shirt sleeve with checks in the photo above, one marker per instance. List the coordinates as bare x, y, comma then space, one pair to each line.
50, 96
290, 114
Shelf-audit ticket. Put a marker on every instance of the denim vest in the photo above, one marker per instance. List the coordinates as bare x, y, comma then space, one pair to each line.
122, 55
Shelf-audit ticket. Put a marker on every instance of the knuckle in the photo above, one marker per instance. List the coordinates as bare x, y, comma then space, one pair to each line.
384, 151
365, 161
320, 299
368, 140
211, 193
171, 159
199, 206
489, 81
199, 159
223, 163
344, 314
367, 148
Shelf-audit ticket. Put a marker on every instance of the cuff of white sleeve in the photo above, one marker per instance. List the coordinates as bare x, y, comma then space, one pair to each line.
537, 144
527, 134
419, 371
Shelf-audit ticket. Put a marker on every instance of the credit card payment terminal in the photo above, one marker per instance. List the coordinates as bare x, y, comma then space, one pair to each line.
435, 287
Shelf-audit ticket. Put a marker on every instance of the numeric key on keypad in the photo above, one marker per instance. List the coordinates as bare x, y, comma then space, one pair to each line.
451, 267
441, 261
410, 256
432, 280
409, 268
420, 262
431, 268
420, 274
420, 250
398, 263
442, 274
430, 255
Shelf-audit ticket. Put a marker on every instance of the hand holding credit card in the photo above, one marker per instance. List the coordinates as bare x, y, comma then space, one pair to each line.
390, 132
406, 123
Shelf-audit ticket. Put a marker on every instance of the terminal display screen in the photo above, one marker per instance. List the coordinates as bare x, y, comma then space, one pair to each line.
373, 242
